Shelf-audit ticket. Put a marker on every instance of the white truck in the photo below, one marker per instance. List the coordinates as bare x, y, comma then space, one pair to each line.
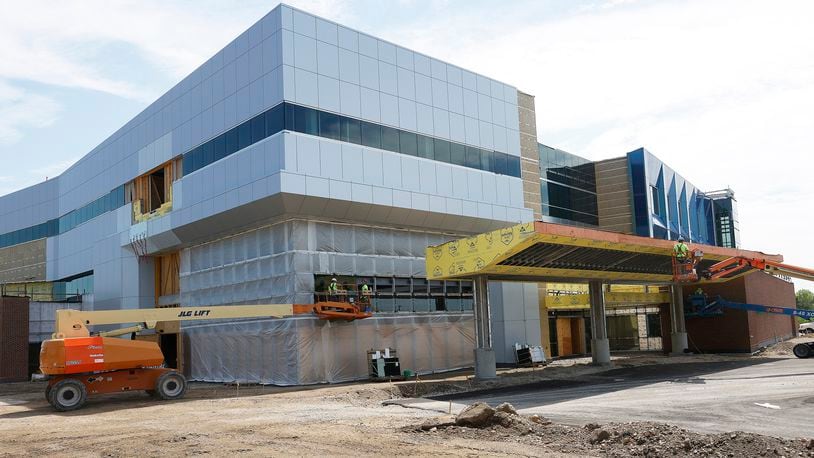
806, 328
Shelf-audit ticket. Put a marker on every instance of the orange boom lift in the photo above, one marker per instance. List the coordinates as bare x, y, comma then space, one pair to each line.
78, 363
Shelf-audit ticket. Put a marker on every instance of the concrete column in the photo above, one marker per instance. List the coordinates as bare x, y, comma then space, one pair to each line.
485, 366
600, 347
545, 333
679, 330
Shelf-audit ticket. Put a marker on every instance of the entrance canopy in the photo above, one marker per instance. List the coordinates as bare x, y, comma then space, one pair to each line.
544, 252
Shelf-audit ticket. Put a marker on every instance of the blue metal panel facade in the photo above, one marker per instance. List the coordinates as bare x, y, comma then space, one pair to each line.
665, 204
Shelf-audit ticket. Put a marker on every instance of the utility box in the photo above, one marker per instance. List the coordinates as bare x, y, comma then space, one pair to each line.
13, 339
384, 364
529, 355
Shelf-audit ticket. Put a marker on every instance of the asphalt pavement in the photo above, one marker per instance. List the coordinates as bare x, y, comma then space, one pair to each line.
767, 396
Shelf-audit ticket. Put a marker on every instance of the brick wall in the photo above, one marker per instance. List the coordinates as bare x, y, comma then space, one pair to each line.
13, 339
740, 330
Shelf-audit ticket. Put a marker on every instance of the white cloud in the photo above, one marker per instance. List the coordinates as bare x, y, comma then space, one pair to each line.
20, 110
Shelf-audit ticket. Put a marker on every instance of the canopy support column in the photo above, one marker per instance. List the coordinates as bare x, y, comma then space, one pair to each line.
485, 366
600, 347
679, 331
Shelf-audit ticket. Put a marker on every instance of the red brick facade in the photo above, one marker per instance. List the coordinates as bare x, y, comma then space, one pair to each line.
740, 330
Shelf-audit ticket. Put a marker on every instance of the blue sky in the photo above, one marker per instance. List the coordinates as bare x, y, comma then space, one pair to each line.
722, 90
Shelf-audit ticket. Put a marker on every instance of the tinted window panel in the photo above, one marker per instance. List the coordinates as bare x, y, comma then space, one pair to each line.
231, 141
289, 116
514, 166
390, 139
407, 143
487, 160
501, 163
275, 120
306, 121
258, 128
350, 130
425, 147
219, 147
441, 148
244, 137
329, 125
458, 153
472, 157
208, 153
371, 135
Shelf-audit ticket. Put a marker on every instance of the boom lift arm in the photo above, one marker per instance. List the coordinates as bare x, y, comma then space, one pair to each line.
74, 323
730, 266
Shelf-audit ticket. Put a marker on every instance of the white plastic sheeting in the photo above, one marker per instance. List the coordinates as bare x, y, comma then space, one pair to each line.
277, 263
307, 350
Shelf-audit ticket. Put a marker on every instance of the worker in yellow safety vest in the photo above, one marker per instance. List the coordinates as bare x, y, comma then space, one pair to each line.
333, 289
364, 297
681, 251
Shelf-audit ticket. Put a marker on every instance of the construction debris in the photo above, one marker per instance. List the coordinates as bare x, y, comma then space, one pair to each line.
482, 422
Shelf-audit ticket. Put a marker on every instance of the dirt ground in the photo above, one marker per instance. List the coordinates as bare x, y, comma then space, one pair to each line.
341, 420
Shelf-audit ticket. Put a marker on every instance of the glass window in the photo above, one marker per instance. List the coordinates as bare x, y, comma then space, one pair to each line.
350, 130
441, 148
453, 287
486, 160
231, 141
407, 143
371, 135
390, 139
197, 158
513, 165
329, 125
244, 135
501, 164
457, 154
288, 116
425, 147
436, 287
420, 287
258, 128
466, 287
306, 121
472, 157
275, 120
219, 147
208, 153
187, 163
384, 286
402, 286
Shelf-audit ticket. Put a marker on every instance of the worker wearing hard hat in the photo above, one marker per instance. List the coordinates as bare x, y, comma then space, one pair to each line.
333, 289
681, 251
364, 296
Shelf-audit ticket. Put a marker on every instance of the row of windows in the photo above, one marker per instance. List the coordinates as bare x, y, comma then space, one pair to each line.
110, 201
309, 121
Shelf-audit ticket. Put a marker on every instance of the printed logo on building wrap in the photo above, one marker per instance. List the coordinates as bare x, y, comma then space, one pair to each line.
437, 271
506, 235
488, 237
480, 264
457, 267
453, 247
437, 252
472, 244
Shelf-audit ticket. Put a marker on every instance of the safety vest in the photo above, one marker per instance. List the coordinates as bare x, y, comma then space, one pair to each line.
681, 250
333, 286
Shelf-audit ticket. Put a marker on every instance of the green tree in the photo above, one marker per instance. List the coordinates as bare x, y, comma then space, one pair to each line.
805, 299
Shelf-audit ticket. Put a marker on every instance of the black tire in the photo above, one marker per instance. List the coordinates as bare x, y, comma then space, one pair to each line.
171, 385
68, 394
809, 331
802, 350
